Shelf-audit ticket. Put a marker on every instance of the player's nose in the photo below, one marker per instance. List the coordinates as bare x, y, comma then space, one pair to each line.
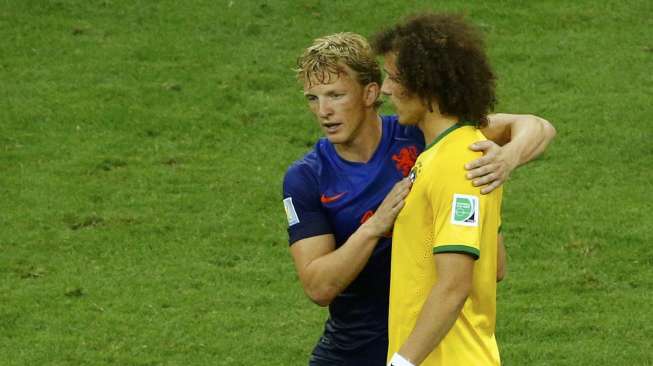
385, 87
324, 109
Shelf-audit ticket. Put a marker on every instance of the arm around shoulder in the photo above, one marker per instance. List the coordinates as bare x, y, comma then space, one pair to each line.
526, 135
523, 138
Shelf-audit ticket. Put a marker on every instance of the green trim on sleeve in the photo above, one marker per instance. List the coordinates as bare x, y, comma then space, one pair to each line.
499, 231
458, 248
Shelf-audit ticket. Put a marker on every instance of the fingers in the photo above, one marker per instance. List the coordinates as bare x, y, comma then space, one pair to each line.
487, 179
401, 187
491, 176
484, 170
398, 194
490, 150
481, 145
387, 212
491, 187
483, 160
396, 208
404, 183
404, 186
486, 159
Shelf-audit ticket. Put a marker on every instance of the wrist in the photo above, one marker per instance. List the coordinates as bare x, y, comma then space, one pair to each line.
512, 154
370, 229
399, 360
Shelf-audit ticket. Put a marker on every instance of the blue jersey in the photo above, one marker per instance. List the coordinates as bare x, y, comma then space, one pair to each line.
324, 194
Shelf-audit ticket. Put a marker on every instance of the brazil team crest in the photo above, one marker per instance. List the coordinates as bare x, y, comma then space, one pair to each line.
415, 171
465, 210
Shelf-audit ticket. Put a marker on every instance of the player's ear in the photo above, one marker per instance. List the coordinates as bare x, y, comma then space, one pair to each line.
371, 94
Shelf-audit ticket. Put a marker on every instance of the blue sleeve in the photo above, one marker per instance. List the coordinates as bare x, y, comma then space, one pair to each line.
301, 199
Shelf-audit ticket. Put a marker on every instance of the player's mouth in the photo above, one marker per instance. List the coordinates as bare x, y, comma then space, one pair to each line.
331, 127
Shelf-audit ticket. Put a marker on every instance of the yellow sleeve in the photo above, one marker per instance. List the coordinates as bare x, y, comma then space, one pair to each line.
458, 206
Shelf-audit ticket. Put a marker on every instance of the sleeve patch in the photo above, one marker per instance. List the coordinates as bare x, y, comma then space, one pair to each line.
465, 210
291, 214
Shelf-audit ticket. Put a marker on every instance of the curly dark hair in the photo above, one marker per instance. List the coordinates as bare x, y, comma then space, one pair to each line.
441, 58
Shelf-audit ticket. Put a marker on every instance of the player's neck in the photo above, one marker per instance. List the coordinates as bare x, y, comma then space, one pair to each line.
365, 142
434, 124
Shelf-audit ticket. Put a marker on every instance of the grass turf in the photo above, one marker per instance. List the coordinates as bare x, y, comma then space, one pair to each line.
142, 147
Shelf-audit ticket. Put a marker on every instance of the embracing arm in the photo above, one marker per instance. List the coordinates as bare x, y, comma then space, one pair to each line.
455, 273
523, 138
526, 135
325, 271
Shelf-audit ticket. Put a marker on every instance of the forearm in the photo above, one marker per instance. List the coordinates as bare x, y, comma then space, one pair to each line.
523, 138
529, 136
326, 271
329, 275
438, 315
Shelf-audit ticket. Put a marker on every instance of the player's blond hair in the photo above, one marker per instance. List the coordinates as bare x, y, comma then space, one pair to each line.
325, 57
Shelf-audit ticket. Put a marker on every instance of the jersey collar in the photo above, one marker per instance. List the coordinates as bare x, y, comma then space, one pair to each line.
448, 131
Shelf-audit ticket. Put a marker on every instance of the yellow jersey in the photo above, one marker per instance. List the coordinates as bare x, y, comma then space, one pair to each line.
445, 213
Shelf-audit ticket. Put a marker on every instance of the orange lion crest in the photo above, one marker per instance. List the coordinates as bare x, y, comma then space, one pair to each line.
405, 159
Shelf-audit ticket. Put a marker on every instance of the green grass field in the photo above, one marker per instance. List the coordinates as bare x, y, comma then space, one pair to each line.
143, 144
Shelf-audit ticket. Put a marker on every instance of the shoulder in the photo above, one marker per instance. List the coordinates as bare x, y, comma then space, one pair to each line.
455, 148
447, 161
303, 171
309, 171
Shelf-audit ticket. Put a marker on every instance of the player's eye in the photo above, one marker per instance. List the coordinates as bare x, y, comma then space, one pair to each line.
391, 77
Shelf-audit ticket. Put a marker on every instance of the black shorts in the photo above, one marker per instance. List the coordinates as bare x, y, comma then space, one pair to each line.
372, 354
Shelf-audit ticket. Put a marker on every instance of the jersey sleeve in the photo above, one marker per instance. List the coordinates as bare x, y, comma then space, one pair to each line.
458, 208
301, 200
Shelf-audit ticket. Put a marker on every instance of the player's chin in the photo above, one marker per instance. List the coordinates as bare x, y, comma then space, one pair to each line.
336, 138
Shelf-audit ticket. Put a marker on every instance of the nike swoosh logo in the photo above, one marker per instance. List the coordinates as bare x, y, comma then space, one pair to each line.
325, 199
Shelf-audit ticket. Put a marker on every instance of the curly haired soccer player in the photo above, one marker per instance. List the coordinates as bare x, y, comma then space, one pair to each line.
341, 198
444, 256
